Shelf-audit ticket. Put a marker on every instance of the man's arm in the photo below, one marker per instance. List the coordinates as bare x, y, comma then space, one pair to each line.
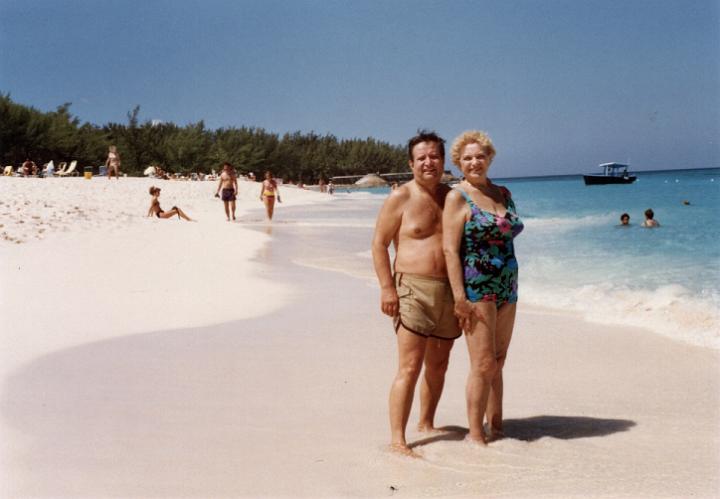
386, 229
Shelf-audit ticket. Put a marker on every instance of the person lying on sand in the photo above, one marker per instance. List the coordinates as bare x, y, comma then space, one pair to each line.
158, 212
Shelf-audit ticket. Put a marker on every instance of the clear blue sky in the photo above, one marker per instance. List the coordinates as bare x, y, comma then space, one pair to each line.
560, 85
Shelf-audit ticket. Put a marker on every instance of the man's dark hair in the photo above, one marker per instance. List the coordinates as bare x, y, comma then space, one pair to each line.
426, 136
649, 213
624, 215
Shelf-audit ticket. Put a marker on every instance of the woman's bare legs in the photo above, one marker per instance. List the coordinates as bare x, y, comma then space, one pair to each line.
175, 211
269, 205
483, 366
503, 334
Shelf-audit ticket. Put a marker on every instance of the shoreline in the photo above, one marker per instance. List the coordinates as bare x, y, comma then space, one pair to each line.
291, 397
260, 407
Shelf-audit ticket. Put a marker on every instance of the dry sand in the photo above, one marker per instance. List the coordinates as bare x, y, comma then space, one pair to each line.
145, 358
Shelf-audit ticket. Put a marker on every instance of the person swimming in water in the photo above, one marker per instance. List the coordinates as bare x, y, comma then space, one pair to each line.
158, 212
650, 222
624, 220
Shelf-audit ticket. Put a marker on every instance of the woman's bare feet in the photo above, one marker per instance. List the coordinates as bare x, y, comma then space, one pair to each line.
403, 450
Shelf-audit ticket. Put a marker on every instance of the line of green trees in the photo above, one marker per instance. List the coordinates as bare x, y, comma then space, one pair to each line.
26, 132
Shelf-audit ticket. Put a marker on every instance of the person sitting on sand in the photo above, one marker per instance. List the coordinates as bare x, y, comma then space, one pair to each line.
650, 222
158, 212
414, 289
29, 168
268, 192
625, 220
228, 184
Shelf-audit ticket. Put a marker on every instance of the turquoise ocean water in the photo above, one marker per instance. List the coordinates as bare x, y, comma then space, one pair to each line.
573, 255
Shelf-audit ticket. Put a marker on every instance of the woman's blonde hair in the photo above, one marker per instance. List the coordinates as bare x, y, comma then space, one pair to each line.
471, 137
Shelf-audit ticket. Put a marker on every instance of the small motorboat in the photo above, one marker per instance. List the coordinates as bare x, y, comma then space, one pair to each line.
612, 173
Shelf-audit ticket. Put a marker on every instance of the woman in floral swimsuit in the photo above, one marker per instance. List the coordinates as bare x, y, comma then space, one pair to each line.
479, 225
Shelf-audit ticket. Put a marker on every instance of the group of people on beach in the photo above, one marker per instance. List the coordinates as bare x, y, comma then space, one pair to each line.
454, 270
227, 190
649, 221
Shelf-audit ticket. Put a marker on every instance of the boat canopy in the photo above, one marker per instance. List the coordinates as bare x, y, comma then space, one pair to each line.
612, 165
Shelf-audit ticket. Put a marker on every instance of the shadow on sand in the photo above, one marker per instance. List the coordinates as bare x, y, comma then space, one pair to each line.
536, 427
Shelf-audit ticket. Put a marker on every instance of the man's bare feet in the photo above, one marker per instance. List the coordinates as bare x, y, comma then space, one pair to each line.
403, 450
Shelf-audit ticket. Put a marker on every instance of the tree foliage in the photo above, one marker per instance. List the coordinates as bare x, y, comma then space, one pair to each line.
26, 132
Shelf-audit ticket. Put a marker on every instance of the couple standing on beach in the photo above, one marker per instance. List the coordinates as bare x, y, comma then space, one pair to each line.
229, 187
454, 270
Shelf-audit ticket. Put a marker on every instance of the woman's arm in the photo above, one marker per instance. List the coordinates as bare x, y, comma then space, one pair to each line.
455, 215
277, 192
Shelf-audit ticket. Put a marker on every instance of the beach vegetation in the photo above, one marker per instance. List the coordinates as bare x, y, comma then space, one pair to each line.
293, 156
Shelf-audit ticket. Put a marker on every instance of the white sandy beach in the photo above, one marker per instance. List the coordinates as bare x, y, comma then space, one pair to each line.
146, 358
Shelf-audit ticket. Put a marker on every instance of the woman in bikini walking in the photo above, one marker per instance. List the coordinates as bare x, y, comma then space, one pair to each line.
268, 192
113, 163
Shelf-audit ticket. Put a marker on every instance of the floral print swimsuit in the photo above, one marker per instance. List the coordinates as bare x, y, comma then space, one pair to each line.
487, 253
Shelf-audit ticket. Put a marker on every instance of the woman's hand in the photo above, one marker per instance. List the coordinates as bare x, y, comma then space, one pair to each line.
464, 313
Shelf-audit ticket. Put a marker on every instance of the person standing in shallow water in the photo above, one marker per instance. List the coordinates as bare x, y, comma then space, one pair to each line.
229, 186
480, 223
414, 289
268, 193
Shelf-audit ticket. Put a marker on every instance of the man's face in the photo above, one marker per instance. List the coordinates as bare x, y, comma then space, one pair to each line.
427, 163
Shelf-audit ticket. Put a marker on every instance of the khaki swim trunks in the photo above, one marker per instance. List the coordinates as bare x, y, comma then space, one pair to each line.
426, 306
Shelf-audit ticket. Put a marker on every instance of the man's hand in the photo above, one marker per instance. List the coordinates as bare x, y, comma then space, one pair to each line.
389, 302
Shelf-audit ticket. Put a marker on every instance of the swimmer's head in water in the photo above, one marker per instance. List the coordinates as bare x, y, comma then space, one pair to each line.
649, 214
624, 219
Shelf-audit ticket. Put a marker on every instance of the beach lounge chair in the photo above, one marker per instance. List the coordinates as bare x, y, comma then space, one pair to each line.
49, 169
8, 171
70, 170
61, 168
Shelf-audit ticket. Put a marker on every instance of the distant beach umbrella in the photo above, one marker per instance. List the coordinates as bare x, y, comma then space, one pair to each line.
371, 180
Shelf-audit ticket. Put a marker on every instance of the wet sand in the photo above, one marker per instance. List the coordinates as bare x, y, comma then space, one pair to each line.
290, 399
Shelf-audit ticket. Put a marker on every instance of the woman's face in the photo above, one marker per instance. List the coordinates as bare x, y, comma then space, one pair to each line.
474, 162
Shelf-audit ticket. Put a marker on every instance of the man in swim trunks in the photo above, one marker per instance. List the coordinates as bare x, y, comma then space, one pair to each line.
415, 290
229, 186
